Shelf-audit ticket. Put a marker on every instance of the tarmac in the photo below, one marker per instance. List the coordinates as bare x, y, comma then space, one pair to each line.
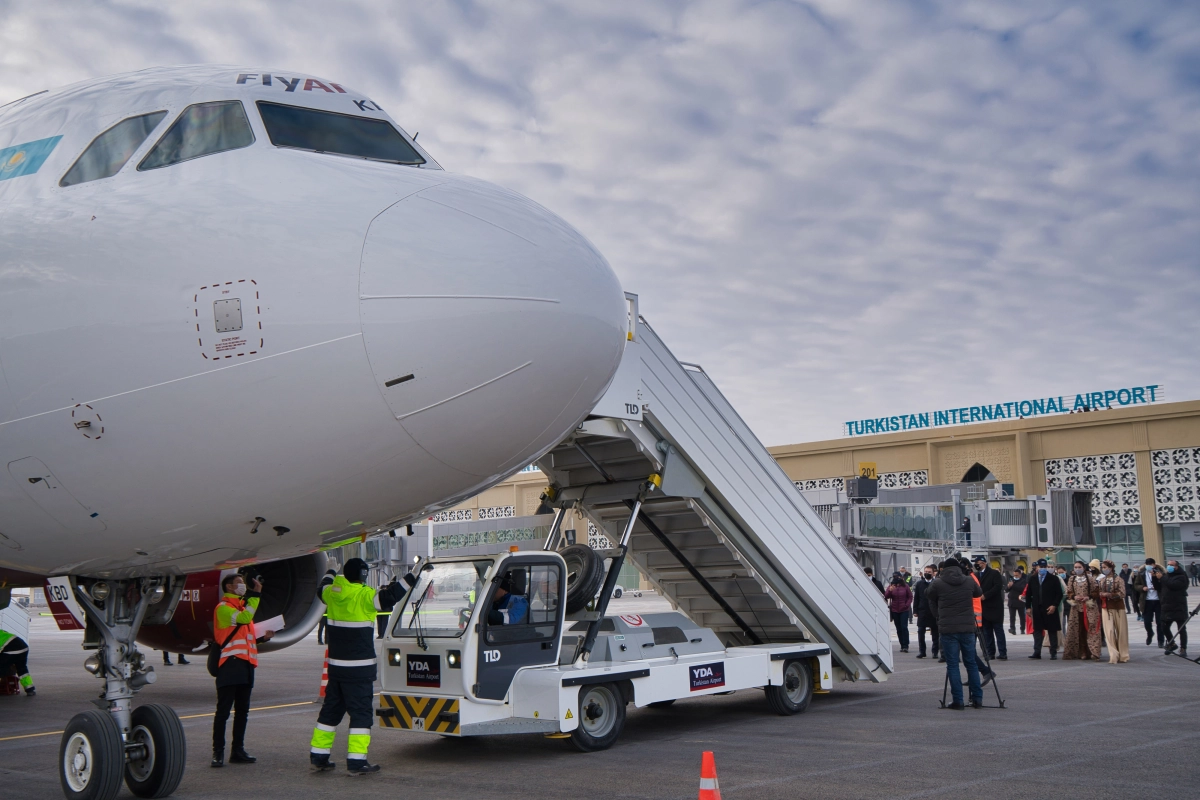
1069, 728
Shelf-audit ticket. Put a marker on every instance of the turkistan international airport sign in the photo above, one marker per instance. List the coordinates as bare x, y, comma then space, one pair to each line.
1017, 409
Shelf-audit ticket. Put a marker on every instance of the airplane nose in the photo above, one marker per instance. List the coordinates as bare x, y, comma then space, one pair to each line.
492, 326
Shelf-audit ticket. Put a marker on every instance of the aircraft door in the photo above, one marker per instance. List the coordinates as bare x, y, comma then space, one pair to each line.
520, 624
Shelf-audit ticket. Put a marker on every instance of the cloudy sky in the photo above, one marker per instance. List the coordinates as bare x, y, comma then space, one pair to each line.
840, 208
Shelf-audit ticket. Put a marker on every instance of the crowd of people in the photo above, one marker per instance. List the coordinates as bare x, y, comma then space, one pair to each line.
1078, 611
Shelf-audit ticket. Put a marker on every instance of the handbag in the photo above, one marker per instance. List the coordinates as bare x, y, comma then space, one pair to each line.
214, 651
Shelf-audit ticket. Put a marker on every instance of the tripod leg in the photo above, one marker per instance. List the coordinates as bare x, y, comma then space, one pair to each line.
945, 688
987, 661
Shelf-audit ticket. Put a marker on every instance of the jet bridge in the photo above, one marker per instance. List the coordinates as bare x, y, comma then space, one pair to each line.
727, 538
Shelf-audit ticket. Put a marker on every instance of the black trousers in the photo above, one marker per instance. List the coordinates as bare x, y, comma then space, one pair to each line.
1130, 605
1016, 612
355, 696
1037, 641
236, 697
18, 660
1180, 632
927, 623
1152, 617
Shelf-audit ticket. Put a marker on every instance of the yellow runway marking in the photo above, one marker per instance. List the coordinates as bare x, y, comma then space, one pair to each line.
189, 716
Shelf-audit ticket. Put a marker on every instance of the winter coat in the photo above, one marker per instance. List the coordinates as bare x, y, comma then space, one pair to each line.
1014, 591
952, 597
1174, 594
992, 584
1042, 594
1139, 580
921, 600
899, 598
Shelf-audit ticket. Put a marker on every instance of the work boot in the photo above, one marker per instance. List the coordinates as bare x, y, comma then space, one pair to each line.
360, 766
1182, 654
30, 691
166, 659
320, 762
1053, 656
218, 759
182, 660
240, 756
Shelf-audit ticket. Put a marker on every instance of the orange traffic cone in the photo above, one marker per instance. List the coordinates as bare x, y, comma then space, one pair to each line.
325, 673
709, 788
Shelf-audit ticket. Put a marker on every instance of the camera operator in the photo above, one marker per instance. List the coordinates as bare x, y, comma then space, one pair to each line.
233, 627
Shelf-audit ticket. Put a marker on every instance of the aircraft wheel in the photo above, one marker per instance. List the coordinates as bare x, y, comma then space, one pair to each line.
156, 767
601, 717
91, 756
585, 573
795, 693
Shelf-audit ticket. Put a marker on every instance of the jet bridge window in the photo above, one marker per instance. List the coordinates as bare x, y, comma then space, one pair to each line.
109, 151
201, 130
340, 134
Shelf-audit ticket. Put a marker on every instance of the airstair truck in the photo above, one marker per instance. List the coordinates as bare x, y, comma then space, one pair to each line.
764, 595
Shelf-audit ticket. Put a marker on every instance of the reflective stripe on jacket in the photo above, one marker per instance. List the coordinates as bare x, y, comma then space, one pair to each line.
231, 612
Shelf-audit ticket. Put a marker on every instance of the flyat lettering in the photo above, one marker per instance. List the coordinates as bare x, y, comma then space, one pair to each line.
1017, 409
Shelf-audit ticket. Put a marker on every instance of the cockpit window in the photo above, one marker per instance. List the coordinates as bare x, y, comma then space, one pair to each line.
109, 151
341, 134
201, 130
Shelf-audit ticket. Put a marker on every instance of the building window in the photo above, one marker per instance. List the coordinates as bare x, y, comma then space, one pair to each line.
1112, 480
1176, 484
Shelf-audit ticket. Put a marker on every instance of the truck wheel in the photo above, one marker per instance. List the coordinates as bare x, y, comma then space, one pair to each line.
157, 770
796, 692
585, 573
617, 593
91, 756
601, 717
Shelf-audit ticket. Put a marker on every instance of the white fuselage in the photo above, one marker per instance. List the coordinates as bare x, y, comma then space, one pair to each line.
349, 274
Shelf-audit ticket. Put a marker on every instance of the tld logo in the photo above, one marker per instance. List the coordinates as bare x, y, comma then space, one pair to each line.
491, 656
707, 676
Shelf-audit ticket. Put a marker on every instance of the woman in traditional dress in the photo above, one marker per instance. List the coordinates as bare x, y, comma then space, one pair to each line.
1112, 612
1082, 639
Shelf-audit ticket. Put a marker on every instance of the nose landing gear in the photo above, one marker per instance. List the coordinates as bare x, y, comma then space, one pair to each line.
144, 745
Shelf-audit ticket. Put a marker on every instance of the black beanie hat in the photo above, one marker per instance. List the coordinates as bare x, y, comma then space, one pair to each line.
355, 570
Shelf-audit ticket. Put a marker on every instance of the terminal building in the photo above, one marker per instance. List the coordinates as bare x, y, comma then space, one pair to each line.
1141, 464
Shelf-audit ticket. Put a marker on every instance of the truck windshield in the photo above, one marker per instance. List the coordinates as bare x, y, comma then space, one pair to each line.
440, 603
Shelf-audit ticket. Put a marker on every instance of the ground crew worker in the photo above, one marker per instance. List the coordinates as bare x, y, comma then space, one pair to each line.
14, 652
351, 607
233, 628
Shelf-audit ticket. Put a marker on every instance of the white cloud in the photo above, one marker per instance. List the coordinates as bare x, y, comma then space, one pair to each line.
842, 209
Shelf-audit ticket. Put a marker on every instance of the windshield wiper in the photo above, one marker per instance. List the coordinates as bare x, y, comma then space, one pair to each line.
416, 617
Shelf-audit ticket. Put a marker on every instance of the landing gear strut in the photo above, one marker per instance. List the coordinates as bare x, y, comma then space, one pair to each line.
145, 745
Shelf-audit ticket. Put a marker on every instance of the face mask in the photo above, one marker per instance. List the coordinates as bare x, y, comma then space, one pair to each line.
928, 576
1043, 571
1079, 570
1170, 568
240, 589
1106, 571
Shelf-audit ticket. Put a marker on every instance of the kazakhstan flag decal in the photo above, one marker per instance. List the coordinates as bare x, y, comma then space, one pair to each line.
25, 159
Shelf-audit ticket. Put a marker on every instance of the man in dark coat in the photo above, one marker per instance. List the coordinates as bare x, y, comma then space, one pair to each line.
952, 597
1044, 594
1175, 605
926, 619
1130, 598
992, 584
1016, 604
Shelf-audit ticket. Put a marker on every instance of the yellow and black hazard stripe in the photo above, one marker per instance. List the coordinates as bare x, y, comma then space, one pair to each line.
433, 714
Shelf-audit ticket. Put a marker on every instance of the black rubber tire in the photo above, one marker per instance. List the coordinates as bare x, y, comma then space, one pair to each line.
97, 757
599, 732
661, 704
797, 690
160, 774
617, 593
585, 573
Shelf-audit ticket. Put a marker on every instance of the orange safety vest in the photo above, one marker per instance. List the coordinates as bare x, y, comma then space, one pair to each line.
240, 645
977, 602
